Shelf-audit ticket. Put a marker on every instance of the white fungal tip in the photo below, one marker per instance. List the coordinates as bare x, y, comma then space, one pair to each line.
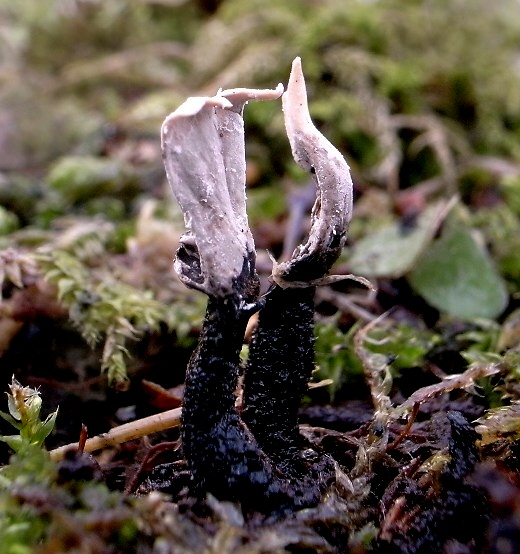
295, 106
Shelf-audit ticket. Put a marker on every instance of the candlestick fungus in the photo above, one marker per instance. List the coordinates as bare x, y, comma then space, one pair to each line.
257, 456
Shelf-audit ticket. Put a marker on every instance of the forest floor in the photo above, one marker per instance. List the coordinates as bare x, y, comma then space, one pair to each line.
417, 390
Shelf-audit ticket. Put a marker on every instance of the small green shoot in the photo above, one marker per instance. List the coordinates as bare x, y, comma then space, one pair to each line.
29, 470
24, 414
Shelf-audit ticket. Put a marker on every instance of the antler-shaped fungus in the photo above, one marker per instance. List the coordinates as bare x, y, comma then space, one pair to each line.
259, 459
281, 355
204, 156
332, 210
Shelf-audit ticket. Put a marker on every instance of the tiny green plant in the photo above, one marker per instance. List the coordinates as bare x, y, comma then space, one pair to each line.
30, 468
24, 414
37, 496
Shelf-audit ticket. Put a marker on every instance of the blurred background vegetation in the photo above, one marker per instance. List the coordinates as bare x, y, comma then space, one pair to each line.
422, 97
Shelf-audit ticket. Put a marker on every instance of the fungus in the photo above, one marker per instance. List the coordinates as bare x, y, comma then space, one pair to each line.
332, 209
204, 156
256, 457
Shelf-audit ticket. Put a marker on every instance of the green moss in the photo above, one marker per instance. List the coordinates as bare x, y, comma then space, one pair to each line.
40, 508
8, 221
80, 178
265, 204
335, 357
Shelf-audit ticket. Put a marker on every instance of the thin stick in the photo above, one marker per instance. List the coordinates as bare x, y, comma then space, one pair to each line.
406, 430
123, 433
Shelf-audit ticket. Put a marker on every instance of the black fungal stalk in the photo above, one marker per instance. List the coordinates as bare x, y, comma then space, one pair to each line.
280, 364
222, 453
258, 457
281, 360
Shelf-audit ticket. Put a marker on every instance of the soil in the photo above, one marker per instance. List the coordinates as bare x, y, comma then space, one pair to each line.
399, 487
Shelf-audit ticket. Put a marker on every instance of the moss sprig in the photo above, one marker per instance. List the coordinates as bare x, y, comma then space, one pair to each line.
103, 308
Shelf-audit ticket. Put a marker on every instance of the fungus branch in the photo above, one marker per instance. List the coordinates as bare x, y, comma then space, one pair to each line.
282, 350
332, 210
204, 156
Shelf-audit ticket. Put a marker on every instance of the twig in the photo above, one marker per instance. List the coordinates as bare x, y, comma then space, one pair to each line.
150, 455
123, 433
406, 430
349, 303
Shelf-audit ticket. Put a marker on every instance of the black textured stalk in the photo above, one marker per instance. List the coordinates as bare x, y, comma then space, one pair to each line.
281, 361
224, 457
214, 441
